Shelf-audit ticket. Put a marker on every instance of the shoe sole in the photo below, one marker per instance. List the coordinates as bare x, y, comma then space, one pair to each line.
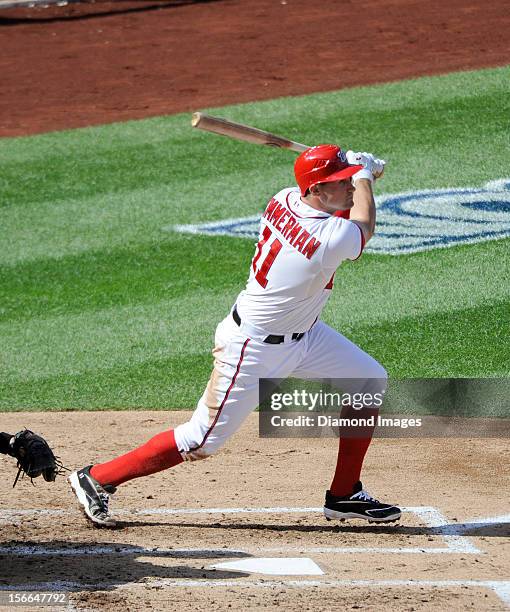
343, 516
82, 501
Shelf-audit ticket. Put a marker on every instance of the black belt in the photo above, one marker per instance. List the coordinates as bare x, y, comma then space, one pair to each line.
272, 338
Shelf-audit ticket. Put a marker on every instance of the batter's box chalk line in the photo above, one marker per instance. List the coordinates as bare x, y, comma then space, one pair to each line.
500, 587
450, 534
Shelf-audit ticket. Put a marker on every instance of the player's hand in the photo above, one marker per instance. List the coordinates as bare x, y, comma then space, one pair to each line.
377, 165
373, 168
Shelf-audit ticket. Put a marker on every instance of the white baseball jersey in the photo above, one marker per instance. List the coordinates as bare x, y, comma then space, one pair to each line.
291, 275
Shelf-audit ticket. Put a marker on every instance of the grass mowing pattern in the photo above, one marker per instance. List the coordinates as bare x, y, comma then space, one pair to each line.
101, 309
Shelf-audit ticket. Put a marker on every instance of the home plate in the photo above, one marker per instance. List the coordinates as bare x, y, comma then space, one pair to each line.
274, 566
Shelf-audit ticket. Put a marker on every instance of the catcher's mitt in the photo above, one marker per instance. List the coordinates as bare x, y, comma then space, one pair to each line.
35, 457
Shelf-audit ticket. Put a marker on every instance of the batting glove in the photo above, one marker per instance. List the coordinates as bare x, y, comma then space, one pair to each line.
372, 168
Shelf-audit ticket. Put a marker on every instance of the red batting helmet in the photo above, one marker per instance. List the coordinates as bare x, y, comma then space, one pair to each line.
322, 164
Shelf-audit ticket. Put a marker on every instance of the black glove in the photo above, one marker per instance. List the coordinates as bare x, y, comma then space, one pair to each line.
34, 455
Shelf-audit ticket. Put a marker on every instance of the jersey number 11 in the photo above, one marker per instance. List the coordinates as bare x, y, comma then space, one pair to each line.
276, 245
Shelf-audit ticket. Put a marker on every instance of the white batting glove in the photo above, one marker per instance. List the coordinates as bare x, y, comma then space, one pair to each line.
372, 168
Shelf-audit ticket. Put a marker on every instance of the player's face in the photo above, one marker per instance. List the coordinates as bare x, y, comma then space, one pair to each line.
337, 195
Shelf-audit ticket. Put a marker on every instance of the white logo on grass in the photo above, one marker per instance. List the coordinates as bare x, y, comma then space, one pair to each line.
413, 221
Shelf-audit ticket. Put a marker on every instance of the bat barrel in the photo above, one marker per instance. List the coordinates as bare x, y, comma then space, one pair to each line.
243, 132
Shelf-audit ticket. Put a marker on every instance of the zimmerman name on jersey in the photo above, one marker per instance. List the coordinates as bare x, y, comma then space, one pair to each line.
298, 252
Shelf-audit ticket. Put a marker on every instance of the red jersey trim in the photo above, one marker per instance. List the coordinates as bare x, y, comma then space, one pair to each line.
296, 214
226, 396
362, 242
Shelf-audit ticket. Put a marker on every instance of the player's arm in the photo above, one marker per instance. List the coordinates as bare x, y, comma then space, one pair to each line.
363, 210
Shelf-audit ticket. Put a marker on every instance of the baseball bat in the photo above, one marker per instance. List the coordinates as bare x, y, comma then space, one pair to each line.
239, 131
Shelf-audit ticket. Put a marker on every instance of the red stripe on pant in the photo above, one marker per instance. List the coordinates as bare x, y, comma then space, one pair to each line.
226, 396
159, 453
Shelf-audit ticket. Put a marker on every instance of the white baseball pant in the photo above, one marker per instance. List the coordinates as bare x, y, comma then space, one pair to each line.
241, 360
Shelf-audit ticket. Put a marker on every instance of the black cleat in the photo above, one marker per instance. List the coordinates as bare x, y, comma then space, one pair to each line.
93, 497
359, 505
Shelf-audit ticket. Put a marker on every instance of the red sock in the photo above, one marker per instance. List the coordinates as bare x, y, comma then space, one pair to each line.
159, 453
352, 449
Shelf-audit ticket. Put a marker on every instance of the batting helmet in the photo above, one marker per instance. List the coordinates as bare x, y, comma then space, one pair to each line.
322, 164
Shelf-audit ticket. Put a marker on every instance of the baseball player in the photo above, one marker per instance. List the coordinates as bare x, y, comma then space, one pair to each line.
274, 331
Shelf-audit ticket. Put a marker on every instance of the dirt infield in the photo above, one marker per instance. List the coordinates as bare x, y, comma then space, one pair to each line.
98, 62
452, 541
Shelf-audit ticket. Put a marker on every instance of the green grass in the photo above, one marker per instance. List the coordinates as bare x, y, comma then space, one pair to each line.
100, 308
